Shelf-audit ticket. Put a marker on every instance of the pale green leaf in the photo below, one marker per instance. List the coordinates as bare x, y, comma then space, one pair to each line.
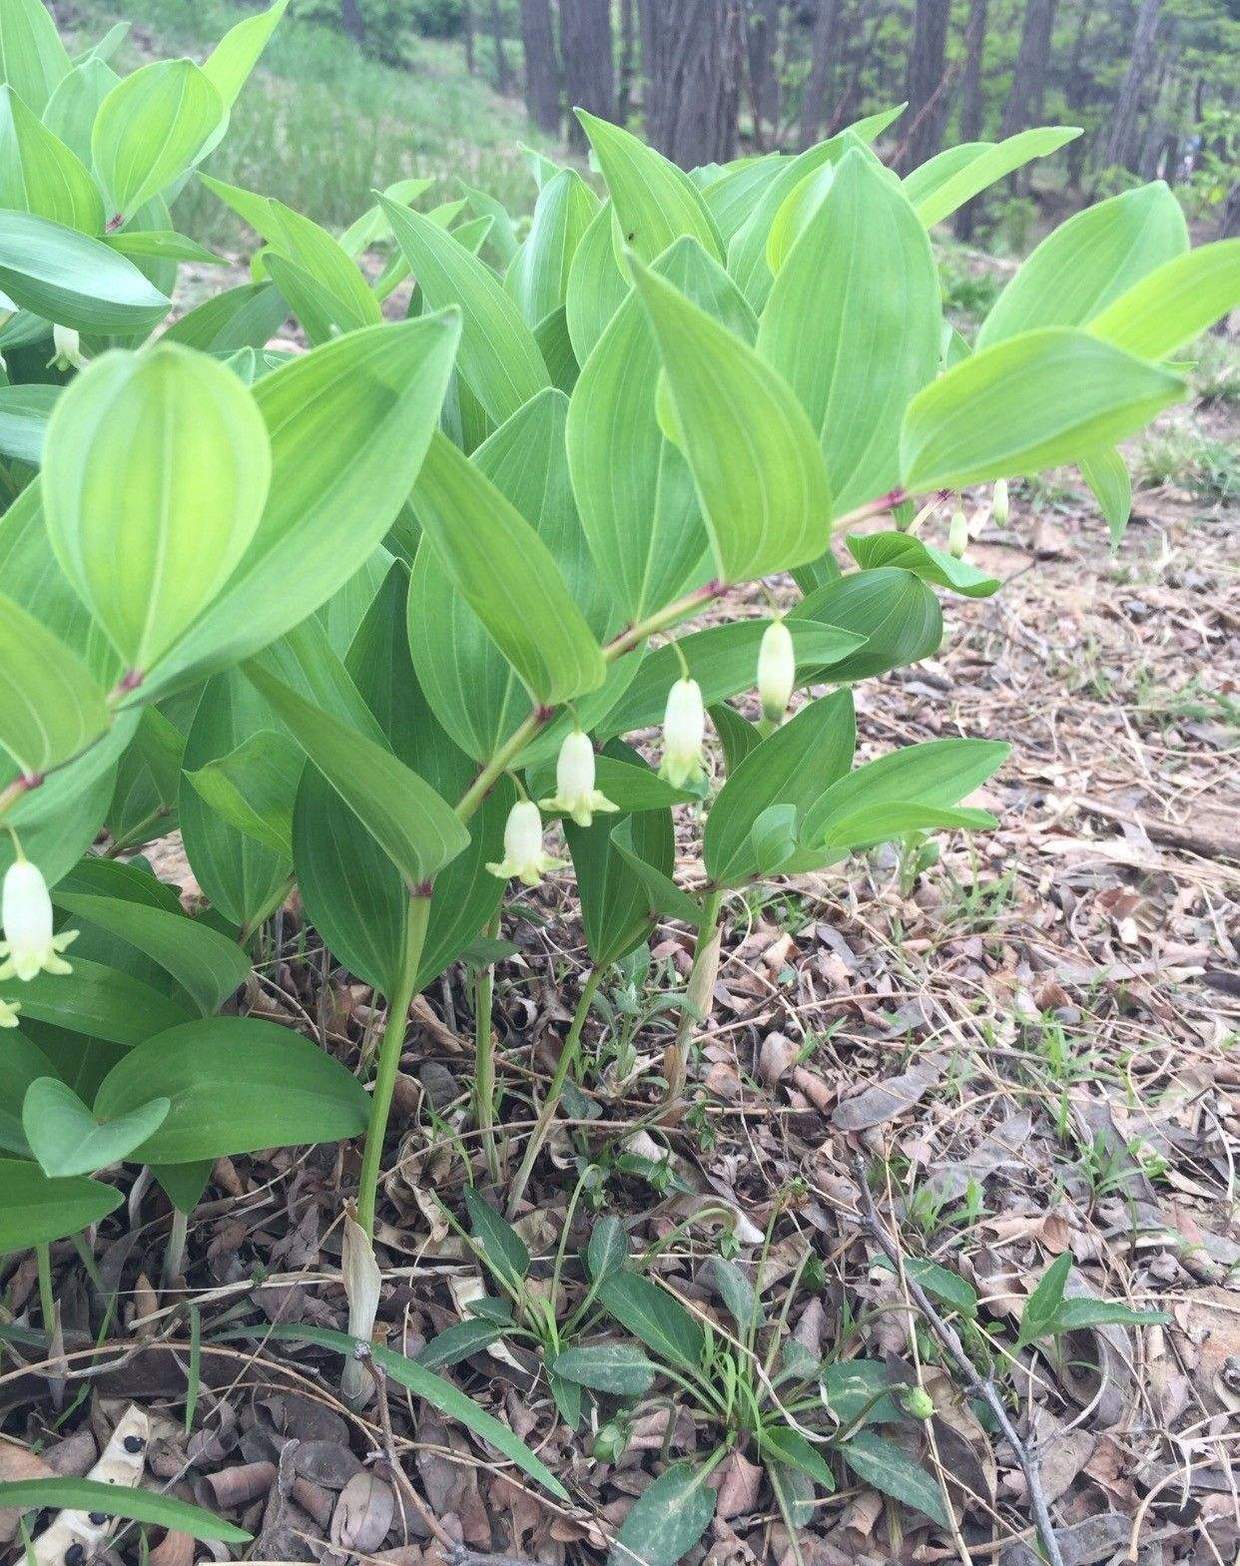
151, 128
1106, 473
229, 64
32, 58
50, 706
37, 1210
1171, 306
94, 1495
66, 1139
39, 174
993, 162
73, 279
538, 276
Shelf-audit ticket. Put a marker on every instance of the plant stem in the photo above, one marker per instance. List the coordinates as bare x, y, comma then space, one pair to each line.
47, 1300
661, 619
484, 1059
174, 1253
698, 999
546, 1115
389, 1059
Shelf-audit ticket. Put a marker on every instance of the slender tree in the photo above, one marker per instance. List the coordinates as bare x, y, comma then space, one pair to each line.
927, 84
628, 53
1121, 146
1028, 93
589, 70
822, 51
542, 70
351, 20
971, 103
503, 76
691, 51
467, 33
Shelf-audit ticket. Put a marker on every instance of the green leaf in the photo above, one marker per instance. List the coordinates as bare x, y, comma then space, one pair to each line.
734, 1288
235, 1084
1174, 304
887, 1467
148, 1506
608, 1247
21, 1063
24, 412
789, 1446
616, 905
229, 64
498, 356
619, 1368
507, 576
663, 896
596, 285
39, 174
460, 1341
894, 611
36, 1209
853, 324
1029, 403
154, 126
157, 469
1043, 1305
32, 57
654, 201
1089, 261
756, 464
502, 1247
71, 110
992, 162
1106, 473
207, 965
418, 831
730, 198
349, 423
99, 1001
796, 766
939, 1282
75, 280
656, 1317
538, 276
163, 244
67, 1139
668, 1519
736, 734
629, 783
874, 550
432, 1389
253, 788
50, 707
859, 1389
242, 317
1079, 1313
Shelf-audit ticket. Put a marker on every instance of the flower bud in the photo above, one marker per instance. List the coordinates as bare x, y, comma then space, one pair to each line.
684, 727
26, 910
68, 353
611, 1442
958, 537
777, 671
575, 794
918, 1403
523, 847
999, 507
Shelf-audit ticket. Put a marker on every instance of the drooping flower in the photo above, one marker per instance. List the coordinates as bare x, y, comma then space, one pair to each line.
68, 353
777, 670
684, 726
999, 506
29, 945
8, 1013
958, 536
575, 793
524, 856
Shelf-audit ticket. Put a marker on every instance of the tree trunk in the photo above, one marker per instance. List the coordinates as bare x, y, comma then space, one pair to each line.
467, 33
503, 77
927, 98
1078, 89
1024, 104
1121, 146
761, 39
971, 104
822, 49
542, 71
589, 74
628, 42
691, 50
351, 20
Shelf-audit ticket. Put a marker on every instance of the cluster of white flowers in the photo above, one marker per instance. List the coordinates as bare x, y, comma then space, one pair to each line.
29, 946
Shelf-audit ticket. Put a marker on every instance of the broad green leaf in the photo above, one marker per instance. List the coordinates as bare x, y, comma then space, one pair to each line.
1086, 263
36, 1210
158, 466
627, 781
619, 1368
859, 1389
21, 1063
1029, 403
74, 280
538, 276
99, 1001
50, 707
32, 57
608, 1247
162, 244
897, 615
148, 1506
596, 285
243, 317
58, 829
663, 896
789, 1446
24, 412
939, 1282
502, 1247
993, 162
615, 903
852, 324
235, 1084
1079, 1313
796, 766
503, 237
207, 965
730, 198
654, 202
734, 1288
153, 126
1043, 1305
418, 831
39, 174
656, 1317
872, 551
498, 356
667, 1520
756, 464
71, 110
736, 734
635, 490
802, 204
1106, 473
148, 779
507, 576
229, 64
66, 1139
879, 823
253, 786
1174, 304
432, 1389
887, 1467
460, 1341
349, 424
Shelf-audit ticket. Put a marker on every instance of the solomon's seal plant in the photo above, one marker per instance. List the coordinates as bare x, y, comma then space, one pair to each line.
344, 616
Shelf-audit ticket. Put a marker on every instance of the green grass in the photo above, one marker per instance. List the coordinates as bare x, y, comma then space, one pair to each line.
320, 125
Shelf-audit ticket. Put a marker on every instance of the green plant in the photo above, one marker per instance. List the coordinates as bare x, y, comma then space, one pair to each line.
361, 619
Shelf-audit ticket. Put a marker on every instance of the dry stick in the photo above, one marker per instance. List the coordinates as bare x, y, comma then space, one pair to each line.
403, 1482
976, 1385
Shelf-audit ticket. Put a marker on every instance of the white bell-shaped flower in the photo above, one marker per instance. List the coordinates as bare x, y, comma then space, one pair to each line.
67, 345
684, 727
777, 671
958, 534
524, 856
575, 794
29, 946
1000, 506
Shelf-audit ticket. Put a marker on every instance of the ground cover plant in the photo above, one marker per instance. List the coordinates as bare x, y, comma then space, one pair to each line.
365, 621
